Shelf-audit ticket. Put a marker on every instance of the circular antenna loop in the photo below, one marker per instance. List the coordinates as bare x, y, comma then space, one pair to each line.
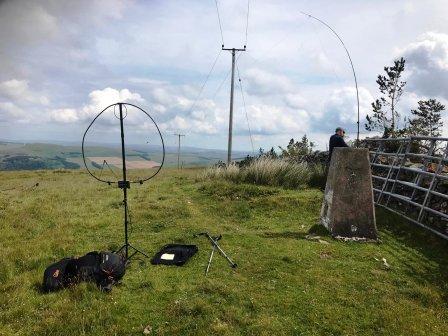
118, 117
123, 113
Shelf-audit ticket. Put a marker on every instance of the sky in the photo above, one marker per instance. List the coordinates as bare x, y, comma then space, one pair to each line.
63, 62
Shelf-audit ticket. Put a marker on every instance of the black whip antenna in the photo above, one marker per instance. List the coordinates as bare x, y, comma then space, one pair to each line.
351, 64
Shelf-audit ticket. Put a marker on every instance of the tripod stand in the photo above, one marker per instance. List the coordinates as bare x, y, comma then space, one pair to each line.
124, 183
215, 246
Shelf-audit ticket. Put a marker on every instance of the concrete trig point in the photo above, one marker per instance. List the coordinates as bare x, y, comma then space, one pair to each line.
348, 208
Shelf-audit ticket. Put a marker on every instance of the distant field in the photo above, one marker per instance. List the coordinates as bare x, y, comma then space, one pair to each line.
33, 156
285, 284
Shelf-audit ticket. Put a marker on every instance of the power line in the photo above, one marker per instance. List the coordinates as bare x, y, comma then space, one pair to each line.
225, 78
232, 84
178, 148
221, 84
247, 20
267, 51
205, 82
219, 20
245, 110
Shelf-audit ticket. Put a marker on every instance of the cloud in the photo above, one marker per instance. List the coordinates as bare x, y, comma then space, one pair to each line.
263, 83
67, 50
9, 111
99, 99
48, 42
18, 91
31, 21
170, 109
272, 120
144, 80
190, 125
67, 115
427, 61
340, 109
19, 103
295, 101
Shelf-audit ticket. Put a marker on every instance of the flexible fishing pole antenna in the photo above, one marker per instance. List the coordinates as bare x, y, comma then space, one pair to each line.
351, 63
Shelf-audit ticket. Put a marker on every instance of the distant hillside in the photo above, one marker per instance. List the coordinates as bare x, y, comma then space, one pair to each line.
32, 156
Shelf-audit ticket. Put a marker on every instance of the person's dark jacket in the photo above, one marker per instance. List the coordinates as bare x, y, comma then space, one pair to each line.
336, 141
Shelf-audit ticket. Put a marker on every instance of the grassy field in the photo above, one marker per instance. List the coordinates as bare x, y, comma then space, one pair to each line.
285, 284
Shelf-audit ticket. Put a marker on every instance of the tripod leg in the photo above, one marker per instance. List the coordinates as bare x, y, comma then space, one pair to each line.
210, 260
120, 249
214, 242
136, 250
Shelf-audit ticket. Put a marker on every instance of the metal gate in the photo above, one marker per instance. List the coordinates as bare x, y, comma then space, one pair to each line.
410, 178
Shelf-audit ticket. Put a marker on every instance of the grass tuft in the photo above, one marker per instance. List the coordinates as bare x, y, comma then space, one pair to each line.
265, 171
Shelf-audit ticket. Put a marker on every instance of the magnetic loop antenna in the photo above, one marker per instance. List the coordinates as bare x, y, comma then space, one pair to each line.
122, 182
121, 115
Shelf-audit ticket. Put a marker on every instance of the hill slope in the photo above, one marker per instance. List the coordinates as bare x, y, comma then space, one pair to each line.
284, 285
34, 156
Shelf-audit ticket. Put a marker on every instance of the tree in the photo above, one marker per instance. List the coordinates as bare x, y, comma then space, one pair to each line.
426, 119
269, 154
385, 114
296, 149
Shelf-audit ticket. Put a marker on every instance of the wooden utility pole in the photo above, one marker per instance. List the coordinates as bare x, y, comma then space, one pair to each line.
229, 146
178, 148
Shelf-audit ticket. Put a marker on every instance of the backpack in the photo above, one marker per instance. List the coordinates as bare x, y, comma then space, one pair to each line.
103, 268
55, 276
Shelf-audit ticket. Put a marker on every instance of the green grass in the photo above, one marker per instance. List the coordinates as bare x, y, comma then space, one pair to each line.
264, 171
284, 283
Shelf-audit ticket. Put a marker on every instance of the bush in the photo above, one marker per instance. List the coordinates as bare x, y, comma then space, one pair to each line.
264, 171
318, 177
277, 172
231, 172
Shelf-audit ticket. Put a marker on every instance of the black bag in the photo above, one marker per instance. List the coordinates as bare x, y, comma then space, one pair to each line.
174, 254
55, 276
103, 268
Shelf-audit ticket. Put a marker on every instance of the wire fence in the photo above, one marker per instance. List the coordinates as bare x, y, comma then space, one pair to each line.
410, 178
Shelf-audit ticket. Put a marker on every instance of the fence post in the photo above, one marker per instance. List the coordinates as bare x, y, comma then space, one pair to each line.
433, 183
418, 179
390, 172
408, 149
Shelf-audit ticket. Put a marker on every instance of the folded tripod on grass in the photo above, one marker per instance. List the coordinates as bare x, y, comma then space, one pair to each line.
215, 246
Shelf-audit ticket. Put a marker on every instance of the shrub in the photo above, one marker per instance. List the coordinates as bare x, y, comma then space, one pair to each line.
318, 177
231, 172
264, 171
277, 172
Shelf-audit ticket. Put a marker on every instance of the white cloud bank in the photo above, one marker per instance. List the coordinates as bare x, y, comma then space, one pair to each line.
341, 109
17, 90
427, 59
57, 58
263, 83
99, 99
